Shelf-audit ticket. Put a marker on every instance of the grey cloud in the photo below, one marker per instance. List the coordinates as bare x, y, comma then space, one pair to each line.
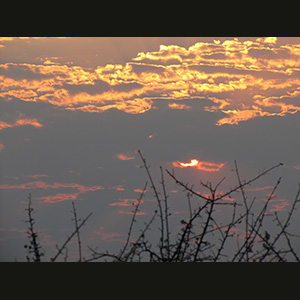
126, 87
19, 72
98, 87
138, 69
269, 54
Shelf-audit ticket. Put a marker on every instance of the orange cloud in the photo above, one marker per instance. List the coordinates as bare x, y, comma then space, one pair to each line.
108, 236
126, 202
26, 186
280, 206
123, 156
261, 188
236, 116
56, 185
138, 213
111, 236
200, 165
179, 106
21, 122
53, 198
36, 176
243, 80
38, 184
58, 197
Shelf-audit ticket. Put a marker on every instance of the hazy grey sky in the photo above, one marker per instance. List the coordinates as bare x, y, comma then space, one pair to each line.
75, 110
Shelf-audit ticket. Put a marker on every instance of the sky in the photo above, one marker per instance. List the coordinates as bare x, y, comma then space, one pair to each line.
75, 110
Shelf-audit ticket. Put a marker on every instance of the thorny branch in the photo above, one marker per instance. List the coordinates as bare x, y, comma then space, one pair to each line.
34, 246
69, 239
133, 219
77, 230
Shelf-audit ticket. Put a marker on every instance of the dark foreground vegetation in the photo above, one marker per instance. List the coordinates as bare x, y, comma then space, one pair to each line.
251, 233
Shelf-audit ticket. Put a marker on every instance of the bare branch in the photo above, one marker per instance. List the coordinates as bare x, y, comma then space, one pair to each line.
34, 246
133, 219
186, 187
156, 196
77, 230
69, 239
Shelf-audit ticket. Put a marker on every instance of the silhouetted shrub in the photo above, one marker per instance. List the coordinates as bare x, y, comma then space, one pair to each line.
201, 237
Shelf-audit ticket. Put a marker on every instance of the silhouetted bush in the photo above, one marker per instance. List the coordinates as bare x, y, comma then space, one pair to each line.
201, 237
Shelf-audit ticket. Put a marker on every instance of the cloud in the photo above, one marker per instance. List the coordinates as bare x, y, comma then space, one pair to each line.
21, 122
242, 80
126, 202
58, 197
39, 184
200, 165
55, 185
10, 39
108, 236
36, 176
179, 106
138, 213
125, 156
267, 187
118, 188
280, 206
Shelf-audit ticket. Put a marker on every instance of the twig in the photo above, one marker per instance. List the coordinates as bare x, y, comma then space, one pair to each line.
283, 227
246, 207
133, 219
69, 238
77, 230
142, 235
157, 198
267, 245
33, 236
189, 203
204, 229
166, 212
232, 223
248, 182
259, 220
186, 187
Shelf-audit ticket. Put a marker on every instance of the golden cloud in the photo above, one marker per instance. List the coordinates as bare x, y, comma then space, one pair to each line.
243, 80
179, 106
21, 122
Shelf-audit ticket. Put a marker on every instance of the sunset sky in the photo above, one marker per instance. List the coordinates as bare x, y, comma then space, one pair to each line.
74, 112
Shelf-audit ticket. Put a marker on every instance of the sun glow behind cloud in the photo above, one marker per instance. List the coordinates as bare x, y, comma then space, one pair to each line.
243, 80
200, 165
